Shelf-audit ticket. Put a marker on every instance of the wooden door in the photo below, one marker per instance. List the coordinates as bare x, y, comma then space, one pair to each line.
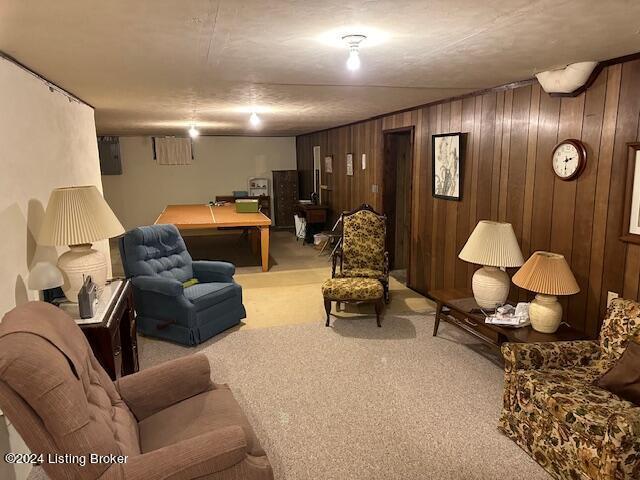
285, 196
403, 201
396, 197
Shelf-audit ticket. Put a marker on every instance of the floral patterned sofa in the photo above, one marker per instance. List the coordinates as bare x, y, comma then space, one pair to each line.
554, 411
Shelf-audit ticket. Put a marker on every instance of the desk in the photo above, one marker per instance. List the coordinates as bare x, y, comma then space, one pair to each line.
316, 217
194, 217
458, 307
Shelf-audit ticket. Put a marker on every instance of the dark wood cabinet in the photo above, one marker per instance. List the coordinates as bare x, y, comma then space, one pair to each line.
113, 340
285, 196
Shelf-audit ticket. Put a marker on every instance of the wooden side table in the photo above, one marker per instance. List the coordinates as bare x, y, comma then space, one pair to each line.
112, 331
459, 308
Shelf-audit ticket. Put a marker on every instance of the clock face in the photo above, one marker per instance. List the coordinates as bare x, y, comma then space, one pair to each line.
568, 159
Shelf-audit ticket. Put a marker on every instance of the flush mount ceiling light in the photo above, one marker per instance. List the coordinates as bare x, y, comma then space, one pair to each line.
194, 132
353, 43
254, 120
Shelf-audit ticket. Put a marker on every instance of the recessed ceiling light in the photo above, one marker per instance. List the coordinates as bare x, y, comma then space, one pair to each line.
254, 119
194, 132
353, 42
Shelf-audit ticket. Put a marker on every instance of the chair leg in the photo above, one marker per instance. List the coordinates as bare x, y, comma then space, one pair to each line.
379, 305
385, 286
327, 308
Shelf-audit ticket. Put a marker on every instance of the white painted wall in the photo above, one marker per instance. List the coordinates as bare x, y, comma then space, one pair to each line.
46, 141
221, 165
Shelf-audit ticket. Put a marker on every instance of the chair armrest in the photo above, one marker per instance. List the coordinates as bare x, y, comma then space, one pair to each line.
156, 388
337, 253
196, 457
164, 286
385, 265
537, 356
207, 271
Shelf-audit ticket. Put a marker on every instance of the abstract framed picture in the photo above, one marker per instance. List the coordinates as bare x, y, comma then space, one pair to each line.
447, 163
631, 218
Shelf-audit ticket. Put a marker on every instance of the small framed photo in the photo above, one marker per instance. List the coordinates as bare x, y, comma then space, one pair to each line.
631, 218
447, 163
350, 164
328, 164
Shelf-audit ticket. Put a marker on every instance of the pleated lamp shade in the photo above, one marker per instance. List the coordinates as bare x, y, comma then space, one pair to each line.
493, 244
78, 215
547, 273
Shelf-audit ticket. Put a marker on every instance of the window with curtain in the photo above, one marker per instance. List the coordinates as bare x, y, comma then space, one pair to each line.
172, 150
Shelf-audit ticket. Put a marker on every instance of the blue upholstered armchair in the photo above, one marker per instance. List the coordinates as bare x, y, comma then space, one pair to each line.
161, 269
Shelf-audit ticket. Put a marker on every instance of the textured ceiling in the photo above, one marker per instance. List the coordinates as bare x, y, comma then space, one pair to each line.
153, 66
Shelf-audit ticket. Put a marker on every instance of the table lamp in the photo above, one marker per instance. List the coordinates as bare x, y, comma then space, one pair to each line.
79, 216
494, 246
547, 274
46, 277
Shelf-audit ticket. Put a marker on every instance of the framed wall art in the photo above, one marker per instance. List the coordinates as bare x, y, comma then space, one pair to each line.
447, 163
350, 164
328, 164
631, 218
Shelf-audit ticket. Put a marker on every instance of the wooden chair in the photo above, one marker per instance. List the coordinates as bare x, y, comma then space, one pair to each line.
362, 251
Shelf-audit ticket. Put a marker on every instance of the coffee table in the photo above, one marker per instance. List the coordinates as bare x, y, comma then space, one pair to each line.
458, 307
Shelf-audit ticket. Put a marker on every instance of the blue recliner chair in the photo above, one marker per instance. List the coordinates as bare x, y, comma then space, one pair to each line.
161, 270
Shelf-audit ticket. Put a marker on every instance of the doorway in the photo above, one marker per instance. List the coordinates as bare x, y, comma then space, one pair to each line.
396, 200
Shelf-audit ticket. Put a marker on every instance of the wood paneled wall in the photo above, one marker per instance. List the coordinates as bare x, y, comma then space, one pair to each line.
508, 177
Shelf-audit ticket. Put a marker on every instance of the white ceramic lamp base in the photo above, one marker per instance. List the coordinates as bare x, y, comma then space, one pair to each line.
78, 262
545, 313
490, 287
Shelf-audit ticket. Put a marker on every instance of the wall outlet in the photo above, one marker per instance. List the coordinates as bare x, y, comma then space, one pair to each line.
611, 296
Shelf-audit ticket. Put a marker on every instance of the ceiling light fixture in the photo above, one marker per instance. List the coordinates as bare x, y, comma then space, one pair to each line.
353, 42
254, 119
193, 132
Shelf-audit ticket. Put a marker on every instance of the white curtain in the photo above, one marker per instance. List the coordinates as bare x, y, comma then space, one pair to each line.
173, 151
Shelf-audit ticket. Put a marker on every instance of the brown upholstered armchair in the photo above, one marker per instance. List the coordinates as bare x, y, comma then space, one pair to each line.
362, 252
170, 421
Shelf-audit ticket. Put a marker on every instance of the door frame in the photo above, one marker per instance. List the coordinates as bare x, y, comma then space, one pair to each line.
385, 139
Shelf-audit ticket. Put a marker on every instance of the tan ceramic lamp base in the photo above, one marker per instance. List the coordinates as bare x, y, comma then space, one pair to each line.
77, 263
490, 287
545, 313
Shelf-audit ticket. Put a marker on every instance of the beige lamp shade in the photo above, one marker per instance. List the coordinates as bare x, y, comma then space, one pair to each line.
78, 215
492, 244
547, 273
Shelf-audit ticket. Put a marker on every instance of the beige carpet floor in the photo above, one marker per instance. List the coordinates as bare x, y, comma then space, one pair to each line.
359, 402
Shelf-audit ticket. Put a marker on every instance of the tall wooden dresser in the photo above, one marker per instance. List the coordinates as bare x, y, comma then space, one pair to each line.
285, 196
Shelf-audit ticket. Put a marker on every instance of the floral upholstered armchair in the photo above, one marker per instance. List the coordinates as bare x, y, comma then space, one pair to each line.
555, 412
362, 252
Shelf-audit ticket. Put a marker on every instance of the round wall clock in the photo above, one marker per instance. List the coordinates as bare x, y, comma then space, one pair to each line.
569, 159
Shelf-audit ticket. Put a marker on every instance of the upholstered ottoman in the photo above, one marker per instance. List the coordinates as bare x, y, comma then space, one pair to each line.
353, 290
